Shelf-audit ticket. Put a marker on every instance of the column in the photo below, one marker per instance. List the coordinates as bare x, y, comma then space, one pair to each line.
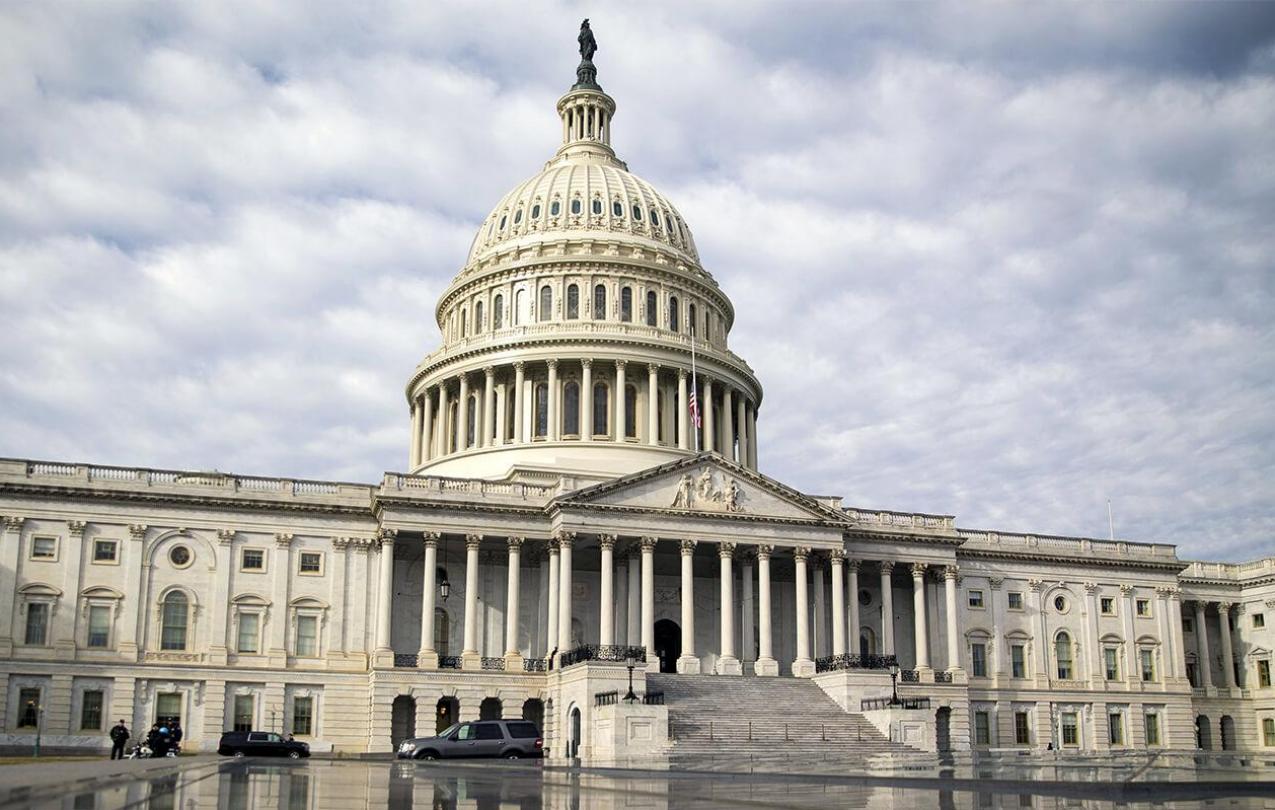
620, 419
1130, 666
852, 600
953, 639
1201, 633
427, 657
819, 645
633, 616
766, 663
520, 378
706, 407
513, 657
462, 415
648, 598
1169, 649
586, 400
688, 663
489, 408
727, 663
742, 423
835, 561
385, 598
606, 613
728, 426
551, 634
887, 609
221, 595
748, 609
555, 419
427, 427
652, 404
565, 542
802, 667
683, 412
918, 607
413, 455
443, 447
470, 657
1228, 660
752, 440
10, 539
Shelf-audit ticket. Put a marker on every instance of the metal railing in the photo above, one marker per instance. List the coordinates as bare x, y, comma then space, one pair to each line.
495, 664
613, 697
449, 662
533, 665
909, 676
942, 677
873, 704
833, 663
406, 661
597, 652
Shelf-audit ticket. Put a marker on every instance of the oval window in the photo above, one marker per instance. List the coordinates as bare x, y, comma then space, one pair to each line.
179, 556
575, 206
555, 208
502, 224
865, 598
518, 216
597, 206
1060, 604
617, 209
535, 211
637, 214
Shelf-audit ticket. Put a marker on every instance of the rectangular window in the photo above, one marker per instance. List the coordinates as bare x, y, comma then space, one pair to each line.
91, 711
243, 713
253, 559
1153, 729
1146, 658
1017, 661
1259, 620
307, 636
249, 623
1107, 606
1070, 733
99, 627
105, 551
982, 728
311, 562
1111, 663
1115, 728
1191, 673
28, 708
44, 548
1264, 673
1187, 624
37, 623
976, 599
302, 715
1268, 732
1015, 600
978, 660
168, 706
1022, 729
1142, 607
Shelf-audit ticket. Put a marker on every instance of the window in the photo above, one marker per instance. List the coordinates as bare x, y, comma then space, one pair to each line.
44, 548
982, 728
601, 409
91, 710
1111, 663
1259, 621
1017, 661
243, 713
575, 206
249, 625
626, 304
253, 559
1191, 677
498, 312
546, 303
99, 627
672, 313
1146, 661
1142, 608
37, 623
179, 556
1115, 728
1015, 600
617, 209
1060, 604
173, 621
630, 412
555, 208
310, 562
978, 660
464, 323
520, 306
479, 318
573, 302
599, 302
28, 708
1070, 732
501, 226
597, 207
1268, 731
1107, 606
1263, 673
1022, 729
652, 309
571, 408
1187, 624
471, 421
1152, 724
655, 218
489, 731
302, 715
637, 213
518, 216
542, 410
535, 211
105, 551
307, 636
976, 599
690, 318
1062, 652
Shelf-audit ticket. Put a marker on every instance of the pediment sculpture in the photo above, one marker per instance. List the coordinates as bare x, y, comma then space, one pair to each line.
709, 492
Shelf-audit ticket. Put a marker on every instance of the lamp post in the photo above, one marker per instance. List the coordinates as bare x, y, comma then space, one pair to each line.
39, 724
894, 683
630, 697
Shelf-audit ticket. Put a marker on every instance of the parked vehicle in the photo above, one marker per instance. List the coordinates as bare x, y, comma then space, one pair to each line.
508, 739
140, 750
260, 744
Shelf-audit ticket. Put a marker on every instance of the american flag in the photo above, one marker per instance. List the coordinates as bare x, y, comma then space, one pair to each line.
694, 409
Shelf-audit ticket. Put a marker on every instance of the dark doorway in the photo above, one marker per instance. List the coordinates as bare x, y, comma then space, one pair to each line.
943, 729
489, 709
402, 719
533, 709
574, 750
1203, 734
668, 644
1228, 733
445, 714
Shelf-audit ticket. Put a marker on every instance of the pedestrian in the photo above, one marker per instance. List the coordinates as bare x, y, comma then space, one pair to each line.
176, 732
154, 740
119, 736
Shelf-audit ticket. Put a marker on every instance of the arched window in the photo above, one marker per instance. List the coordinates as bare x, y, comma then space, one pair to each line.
652, 309
630, 411
601, 408
626, 304
478, 318
472, 418
655, 218
546, 302
535, 211
571, 408
555, 208
617, 209
520, 306
173, 620
498, 312
502, 223
672, 313
453, 420
542, 409
573, 302
690, 321
464, 323
518, 216
597, 206
637, 213
599, 302
1062, 652
575, 206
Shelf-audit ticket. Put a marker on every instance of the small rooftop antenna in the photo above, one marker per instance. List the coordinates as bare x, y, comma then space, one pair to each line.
1111, 524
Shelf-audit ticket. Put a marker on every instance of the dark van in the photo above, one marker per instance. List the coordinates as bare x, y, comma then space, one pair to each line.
260, 744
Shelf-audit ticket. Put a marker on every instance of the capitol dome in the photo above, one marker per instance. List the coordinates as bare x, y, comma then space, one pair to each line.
581, 329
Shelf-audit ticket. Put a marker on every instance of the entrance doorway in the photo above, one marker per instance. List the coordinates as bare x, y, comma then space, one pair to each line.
668, 644
943, 729
403, 719
1228, 733
445, 714
534, 710
1203, 734
489, 709
574, 750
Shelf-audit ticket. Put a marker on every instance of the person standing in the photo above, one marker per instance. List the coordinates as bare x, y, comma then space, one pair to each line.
119, 736
176, 732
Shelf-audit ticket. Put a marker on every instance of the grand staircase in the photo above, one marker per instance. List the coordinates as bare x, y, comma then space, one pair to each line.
733, 719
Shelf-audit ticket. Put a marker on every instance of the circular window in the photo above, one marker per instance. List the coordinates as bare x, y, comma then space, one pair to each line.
865, 598
1060, 604
179, 556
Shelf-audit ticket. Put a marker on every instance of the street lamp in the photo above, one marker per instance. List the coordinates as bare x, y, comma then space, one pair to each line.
630, 697
38, 709
894, 683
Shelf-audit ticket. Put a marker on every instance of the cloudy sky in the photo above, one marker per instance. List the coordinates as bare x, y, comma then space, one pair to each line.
995, 261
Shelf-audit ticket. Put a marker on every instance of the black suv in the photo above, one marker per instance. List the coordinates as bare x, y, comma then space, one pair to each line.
260, 744
510, 739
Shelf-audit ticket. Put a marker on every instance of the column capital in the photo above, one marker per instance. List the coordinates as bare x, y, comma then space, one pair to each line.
283, 539
621, 363
687, 547
950, 572
13, 523
1089, 587
653, 368
514, 542
607, 541
338, 543
225, 536
853, 563
361, 544
489, 372
473, 541
837, 557
565, 539
682, 374
1036, 585
586, 362
726, 550
519, 365
76, 528
386, 536
764, 551
552, 364
887, 567
995, 583
551, 546
800, 553
648, 543
919, 570
1225, 607
430, 538
1126, 589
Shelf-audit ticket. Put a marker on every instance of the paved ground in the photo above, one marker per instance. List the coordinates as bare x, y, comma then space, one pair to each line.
209, 782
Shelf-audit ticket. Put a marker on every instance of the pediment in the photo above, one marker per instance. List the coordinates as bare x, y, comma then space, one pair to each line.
704, 484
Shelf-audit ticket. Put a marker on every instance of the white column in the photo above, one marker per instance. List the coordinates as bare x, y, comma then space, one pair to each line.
520, 377
385, 597
835, 559
427, 656
688, 663
727, 663
748, 609
620, 419
427, 427
633, 625
489, 408
606, 634
555, 415
652, 404
742, 422
462, 415
586, 400
953, 637
706, 407
728, 425
918, 607
11, 537
766, 663
752, 443
683, 412
852, 601
819, 643
1205, 668
648, 596
470, 657
887, 609
565, 542
1228, 661
551, 634
802, 667
413, 455
443, 447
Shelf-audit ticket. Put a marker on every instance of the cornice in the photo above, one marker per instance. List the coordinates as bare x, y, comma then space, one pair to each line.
1094, 562
173, 499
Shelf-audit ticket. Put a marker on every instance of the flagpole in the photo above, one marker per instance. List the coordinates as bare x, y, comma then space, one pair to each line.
694, 389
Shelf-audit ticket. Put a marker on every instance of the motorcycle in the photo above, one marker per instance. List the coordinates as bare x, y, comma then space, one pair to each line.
140, 751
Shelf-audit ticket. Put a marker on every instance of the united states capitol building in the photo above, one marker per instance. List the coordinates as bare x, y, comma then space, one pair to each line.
583, 492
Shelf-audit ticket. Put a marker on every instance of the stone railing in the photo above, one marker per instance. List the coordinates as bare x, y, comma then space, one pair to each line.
1229, 571
910, 704
902, 520
437, 486
1079, 546
834, 663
